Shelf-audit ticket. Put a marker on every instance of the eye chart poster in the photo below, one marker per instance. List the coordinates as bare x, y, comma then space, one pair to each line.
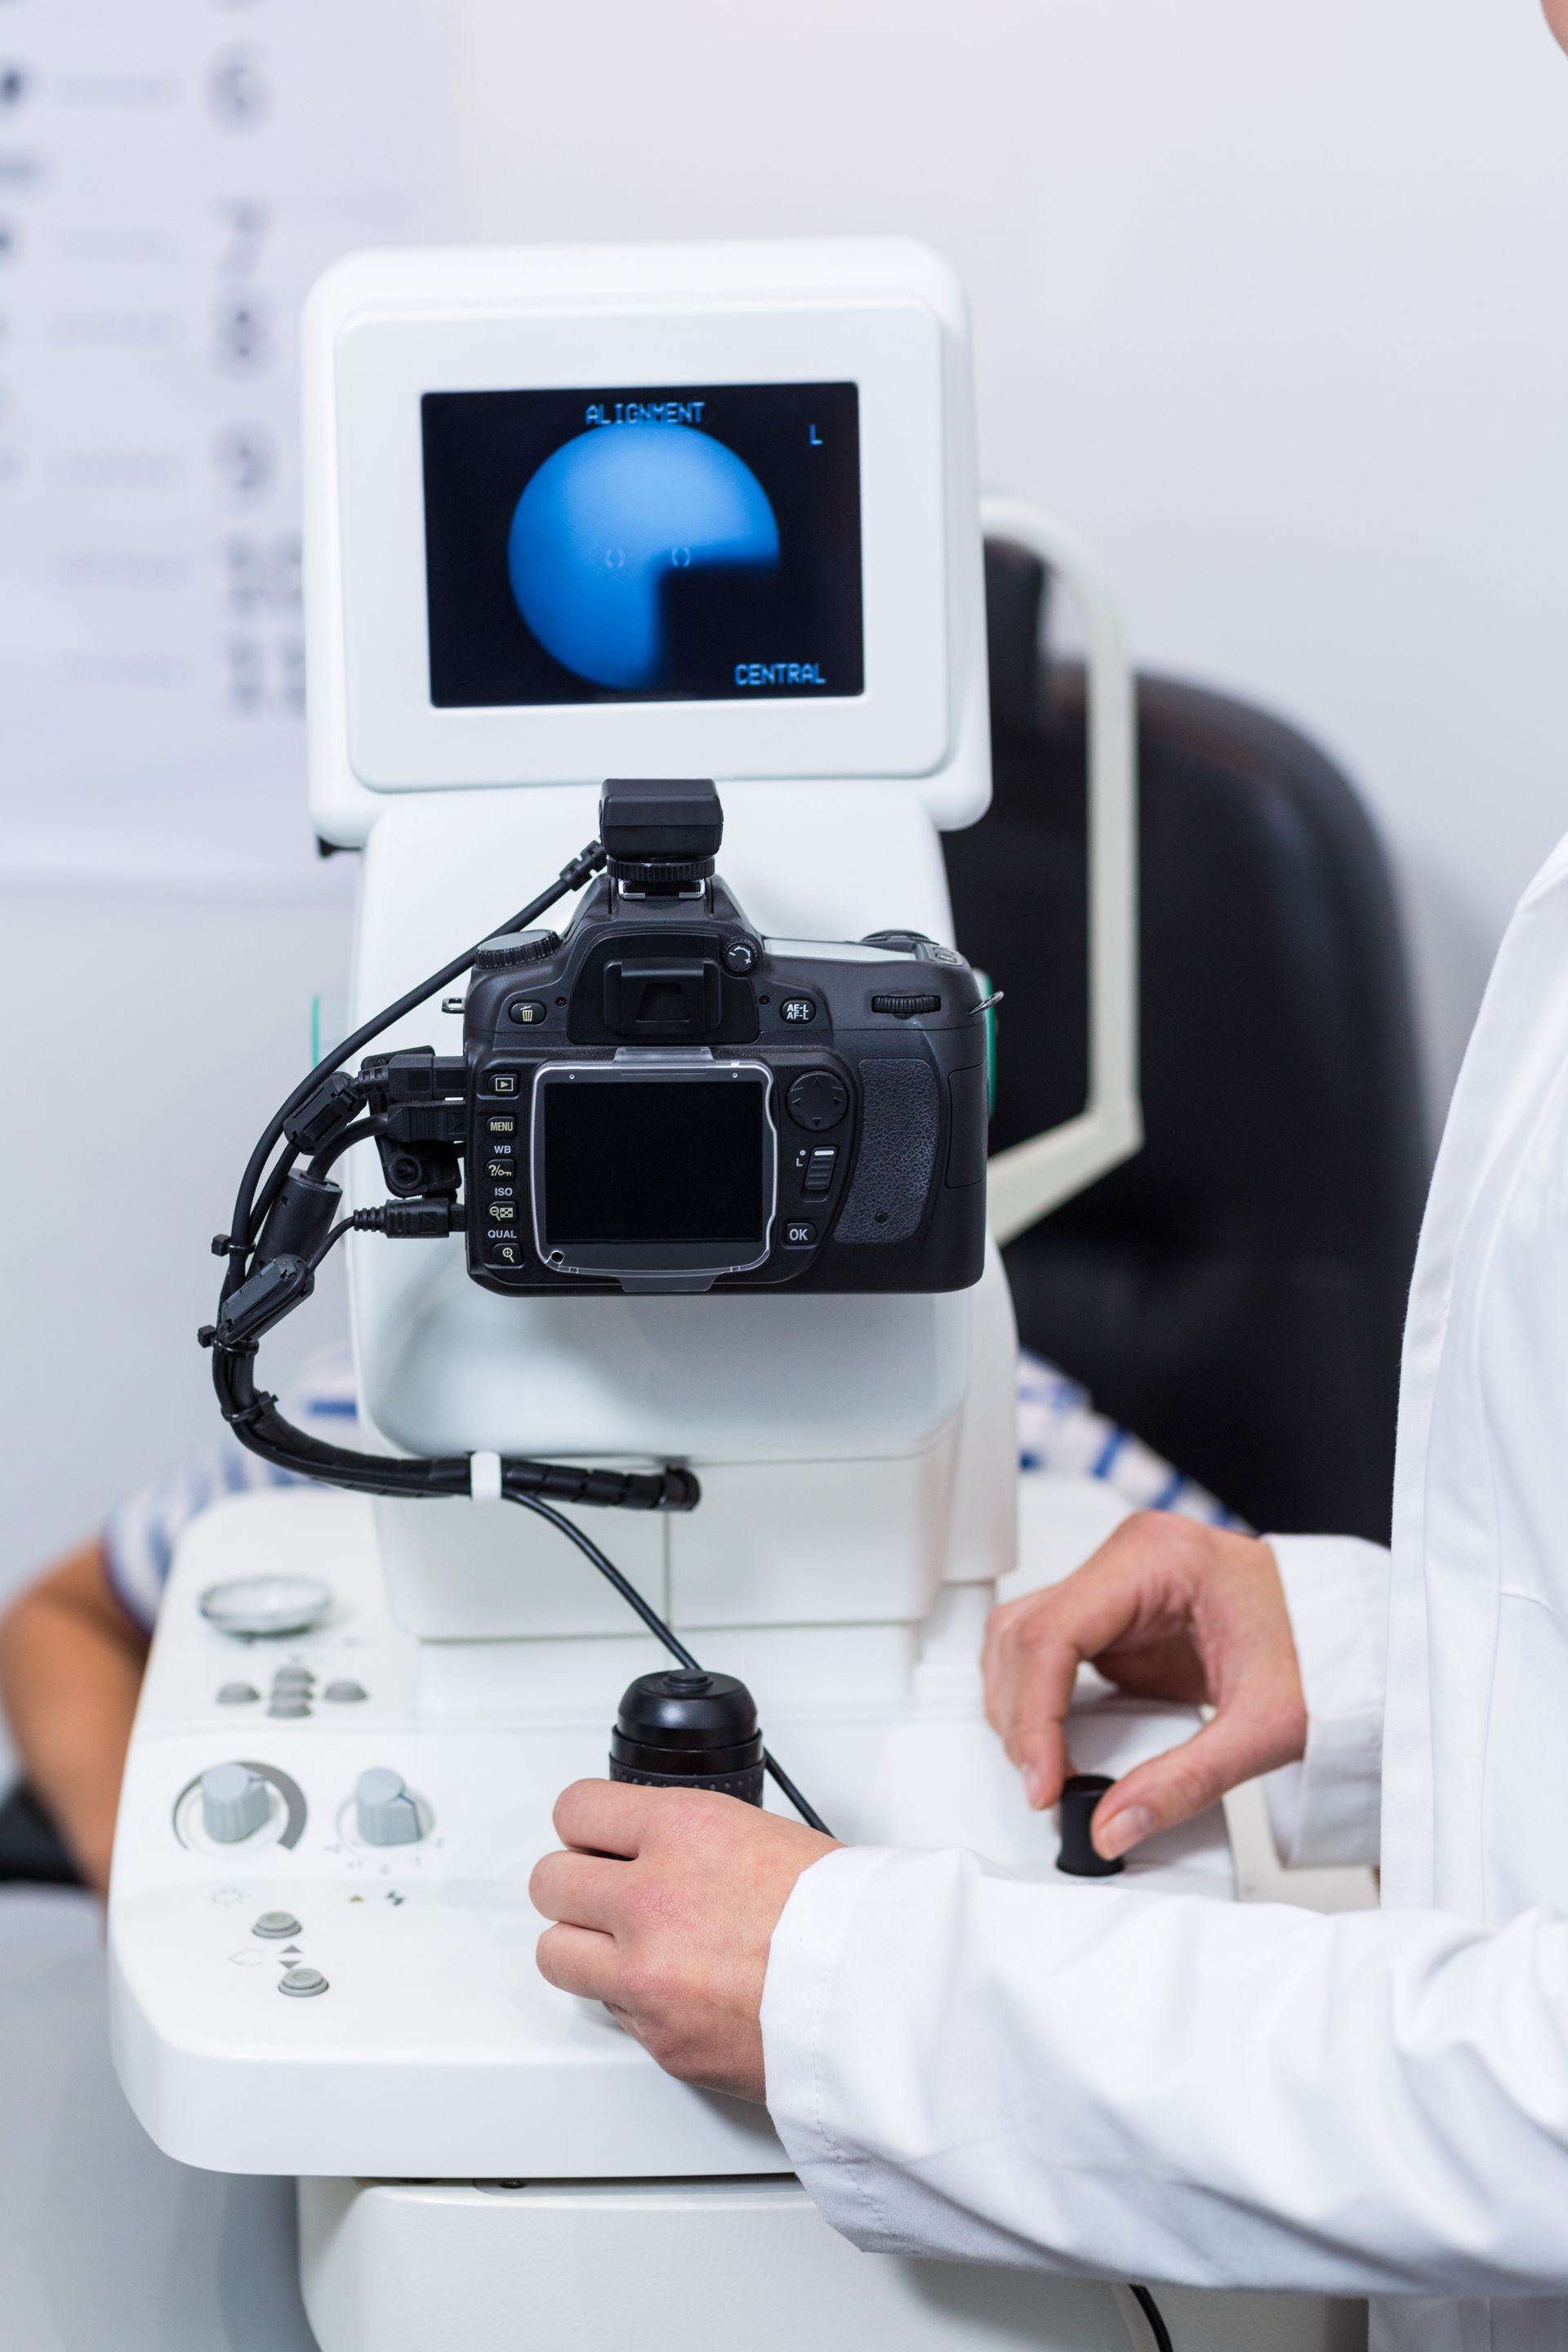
173, 175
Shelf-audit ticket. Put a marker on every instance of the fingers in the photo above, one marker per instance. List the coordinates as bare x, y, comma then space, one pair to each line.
577, 1960
584, 1890
606, 1816
1239, 1743
1033, 1652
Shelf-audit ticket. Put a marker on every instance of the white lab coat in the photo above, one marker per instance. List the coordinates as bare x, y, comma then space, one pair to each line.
1090, 2080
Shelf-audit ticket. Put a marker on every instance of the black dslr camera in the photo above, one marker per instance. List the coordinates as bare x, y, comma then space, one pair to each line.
662, 1100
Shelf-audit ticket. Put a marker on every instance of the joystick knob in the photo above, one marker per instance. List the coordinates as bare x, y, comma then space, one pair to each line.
384, 1812
1081, 1793
235, 1801
688, 1729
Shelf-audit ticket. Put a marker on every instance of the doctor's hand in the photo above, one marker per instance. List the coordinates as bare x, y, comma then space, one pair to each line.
1167, 1609
666, 1901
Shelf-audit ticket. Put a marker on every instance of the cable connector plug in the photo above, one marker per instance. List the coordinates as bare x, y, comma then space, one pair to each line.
323, 1116
273, 1291
411, 1220
419, 1075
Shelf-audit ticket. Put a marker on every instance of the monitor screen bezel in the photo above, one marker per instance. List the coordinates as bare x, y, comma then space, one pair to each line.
899, 725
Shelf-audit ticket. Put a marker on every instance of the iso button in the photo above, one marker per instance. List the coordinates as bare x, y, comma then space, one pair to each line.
798, 1010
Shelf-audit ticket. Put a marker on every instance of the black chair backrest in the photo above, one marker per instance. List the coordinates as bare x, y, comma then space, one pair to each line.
1236, 1293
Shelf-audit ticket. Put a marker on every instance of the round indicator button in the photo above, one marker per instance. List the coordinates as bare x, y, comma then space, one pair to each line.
301, 1982
279, 1923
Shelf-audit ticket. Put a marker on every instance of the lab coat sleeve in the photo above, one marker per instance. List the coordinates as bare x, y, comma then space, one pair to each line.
1094, 2081
1326, 1808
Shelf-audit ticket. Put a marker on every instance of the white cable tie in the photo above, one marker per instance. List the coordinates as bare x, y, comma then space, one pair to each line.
484, 1477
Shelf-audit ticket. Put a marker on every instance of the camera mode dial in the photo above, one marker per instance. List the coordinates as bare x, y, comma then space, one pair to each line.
510, 951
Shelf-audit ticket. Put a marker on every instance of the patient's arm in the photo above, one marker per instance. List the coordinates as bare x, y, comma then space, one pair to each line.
71, 1668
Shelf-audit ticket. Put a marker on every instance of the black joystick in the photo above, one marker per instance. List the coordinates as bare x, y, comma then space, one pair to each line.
688, 1729
1082, 1792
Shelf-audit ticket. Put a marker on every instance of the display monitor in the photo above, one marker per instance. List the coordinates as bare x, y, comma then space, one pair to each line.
675, 542
644, 1171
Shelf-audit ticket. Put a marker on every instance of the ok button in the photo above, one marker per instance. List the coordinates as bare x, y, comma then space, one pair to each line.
799, 1234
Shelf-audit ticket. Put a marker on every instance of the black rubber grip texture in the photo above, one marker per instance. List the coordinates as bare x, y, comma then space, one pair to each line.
747, 1785
896, 1163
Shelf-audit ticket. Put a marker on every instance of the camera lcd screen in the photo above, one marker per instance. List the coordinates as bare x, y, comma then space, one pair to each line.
673, 542
660, 1160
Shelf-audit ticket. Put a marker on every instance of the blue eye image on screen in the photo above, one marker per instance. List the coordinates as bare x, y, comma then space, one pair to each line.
603, 524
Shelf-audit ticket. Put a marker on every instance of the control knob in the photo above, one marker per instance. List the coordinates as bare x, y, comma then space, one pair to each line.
235, 1801
384, 1811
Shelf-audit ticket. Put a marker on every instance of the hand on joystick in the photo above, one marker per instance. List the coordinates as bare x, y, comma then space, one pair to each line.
664, 1902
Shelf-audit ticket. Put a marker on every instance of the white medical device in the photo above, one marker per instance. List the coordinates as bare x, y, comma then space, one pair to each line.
664, 511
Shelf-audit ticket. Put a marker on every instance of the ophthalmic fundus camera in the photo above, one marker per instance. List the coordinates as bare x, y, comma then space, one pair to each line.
685, 1367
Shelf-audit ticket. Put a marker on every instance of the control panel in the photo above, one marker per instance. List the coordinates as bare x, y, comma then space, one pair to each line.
322, 1949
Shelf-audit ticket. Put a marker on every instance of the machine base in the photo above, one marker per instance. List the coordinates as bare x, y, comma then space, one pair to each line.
712, 2266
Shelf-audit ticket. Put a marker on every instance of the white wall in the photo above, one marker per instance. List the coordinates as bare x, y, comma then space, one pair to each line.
148, 1040
1271, 301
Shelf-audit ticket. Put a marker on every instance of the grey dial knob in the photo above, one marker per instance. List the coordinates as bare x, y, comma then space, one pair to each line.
235, 1801
384, 1812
